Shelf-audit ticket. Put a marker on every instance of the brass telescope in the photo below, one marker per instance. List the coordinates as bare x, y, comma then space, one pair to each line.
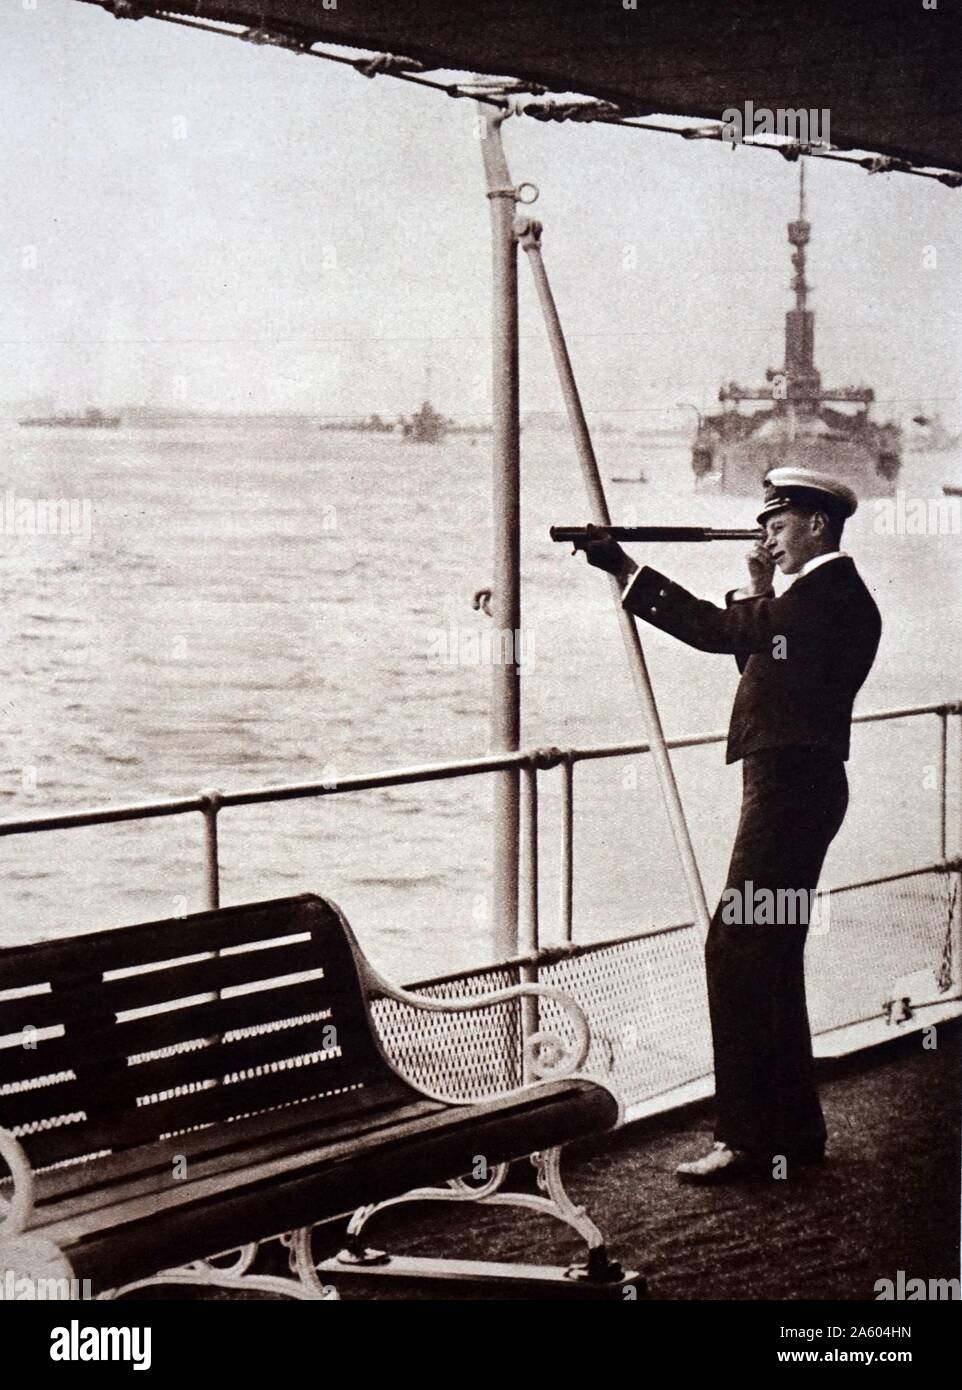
578, 535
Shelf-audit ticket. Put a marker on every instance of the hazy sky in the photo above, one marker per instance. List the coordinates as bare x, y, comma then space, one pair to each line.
191, 220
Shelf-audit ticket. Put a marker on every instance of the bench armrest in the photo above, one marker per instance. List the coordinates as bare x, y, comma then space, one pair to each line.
549, 1056
16, 1210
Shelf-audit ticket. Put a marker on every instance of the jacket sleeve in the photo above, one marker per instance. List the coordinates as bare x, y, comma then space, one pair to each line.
741, 658
744, 627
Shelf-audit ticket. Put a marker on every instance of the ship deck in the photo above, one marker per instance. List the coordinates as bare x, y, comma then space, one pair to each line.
886, 1200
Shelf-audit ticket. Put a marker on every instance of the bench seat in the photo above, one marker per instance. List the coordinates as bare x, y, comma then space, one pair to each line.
175, 1090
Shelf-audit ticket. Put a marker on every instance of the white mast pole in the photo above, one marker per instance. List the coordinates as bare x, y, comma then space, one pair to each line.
506, 594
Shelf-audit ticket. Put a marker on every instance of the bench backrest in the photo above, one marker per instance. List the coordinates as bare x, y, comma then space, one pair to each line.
116, 1038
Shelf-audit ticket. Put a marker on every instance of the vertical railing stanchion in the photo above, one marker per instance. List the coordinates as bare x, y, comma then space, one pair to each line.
958, 789
528, 918
567, 849
943, 784
211, 805
528, 931
211, 855
957, 943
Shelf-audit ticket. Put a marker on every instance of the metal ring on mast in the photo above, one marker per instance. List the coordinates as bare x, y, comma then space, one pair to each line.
517, 193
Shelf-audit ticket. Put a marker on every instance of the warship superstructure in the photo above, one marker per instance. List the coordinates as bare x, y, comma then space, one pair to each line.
801, 423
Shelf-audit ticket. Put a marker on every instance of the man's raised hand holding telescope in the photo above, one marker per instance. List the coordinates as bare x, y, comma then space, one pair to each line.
803, 656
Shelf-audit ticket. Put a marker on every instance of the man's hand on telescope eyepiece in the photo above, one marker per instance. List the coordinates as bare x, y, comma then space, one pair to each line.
761, 568
606, 554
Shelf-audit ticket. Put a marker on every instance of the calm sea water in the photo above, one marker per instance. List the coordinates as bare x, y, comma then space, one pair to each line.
267, 604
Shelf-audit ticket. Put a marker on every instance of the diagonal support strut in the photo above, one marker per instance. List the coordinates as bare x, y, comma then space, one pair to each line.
528, 232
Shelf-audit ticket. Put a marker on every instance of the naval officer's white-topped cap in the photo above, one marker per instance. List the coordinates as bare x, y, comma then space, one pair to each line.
802, 487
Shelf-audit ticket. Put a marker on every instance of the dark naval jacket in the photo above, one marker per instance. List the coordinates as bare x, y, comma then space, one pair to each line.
803, 656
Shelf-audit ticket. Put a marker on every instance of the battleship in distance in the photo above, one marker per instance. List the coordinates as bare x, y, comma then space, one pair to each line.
799, 424
425, 426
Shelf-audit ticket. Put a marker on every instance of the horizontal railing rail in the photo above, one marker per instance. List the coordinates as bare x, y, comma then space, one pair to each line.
540, 758
529, 762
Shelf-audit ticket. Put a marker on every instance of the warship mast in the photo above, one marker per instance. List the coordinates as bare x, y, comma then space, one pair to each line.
802, 382
795, 389
735, 449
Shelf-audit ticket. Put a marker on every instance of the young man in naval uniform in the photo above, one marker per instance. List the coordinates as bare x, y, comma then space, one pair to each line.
803, 657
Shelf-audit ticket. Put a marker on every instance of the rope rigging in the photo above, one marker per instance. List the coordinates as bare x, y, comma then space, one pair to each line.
504, 93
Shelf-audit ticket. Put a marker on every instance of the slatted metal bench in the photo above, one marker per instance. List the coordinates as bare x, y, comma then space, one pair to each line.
173, 1090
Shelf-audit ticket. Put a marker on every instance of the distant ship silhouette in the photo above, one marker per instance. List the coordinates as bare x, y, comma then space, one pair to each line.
89, 420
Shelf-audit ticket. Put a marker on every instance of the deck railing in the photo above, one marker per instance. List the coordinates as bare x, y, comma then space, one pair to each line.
895, 959
530, 763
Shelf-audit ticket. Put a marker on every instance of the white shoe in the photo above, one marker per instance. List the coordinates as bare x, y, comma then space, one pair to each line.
720, 1164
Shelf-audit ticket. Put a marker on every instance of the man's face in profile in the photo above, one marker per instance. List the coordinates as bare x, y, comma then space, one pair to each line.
794, 537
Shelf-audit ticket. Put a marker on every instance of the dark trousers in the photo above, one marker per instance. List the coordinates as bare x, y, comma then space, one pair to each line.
793, 802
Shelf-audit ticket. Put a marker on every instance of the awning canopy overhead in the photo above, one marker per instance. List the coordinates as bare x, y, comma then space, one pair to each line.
889, 72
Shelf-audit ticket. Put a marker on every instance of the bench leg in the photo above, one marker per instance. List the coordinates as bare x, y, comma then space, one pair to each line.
234, 1277
597, 1265
595, 1269
33, 1267
556, 1204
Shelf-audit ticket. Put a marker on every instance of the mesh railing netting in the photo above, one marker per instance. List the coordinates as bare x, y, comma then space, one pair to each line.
645, 996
